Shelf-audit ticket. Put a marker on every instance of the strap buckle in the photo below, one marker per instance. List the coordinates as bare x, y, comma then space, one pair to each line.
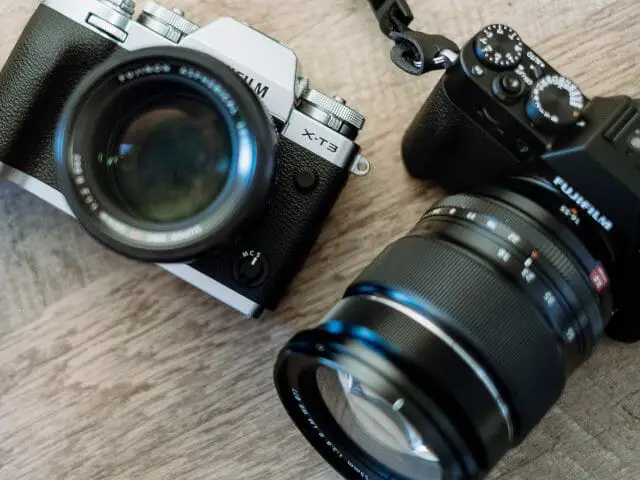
392, 15
414, 52
418, 53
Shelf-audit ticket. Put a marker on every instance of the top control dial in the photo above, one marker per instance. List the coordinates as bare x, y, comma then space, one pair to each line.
171, 24
499, 46
555, 102
332, 112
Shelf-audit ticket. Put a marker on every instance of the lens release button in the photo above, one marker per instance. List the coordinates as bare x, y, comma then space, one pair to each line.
250, 269
306, 180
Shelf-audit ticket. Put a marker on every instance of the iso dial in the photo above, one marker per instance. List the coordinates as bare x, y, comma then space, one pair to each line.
499, 47
555, 103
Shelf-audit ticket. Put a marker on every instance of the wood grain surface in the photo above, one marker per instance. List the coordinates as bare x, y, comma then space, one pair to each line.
112, 369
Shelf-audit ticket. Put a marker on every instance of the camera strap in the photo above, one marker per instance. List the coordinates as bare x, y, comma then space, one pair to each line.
414, 52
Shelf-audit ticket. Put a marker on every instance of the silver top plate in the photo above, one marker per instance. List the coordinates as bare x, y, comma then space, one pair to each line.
267, 66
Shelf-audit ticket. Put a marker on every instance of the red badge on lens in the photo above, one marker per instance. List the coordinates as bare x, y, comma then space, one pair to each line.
599, 278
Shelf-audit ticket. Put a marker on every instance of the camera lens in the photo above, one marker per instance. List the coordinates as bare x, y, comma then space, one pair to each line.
454, 343
170, 161
164, 154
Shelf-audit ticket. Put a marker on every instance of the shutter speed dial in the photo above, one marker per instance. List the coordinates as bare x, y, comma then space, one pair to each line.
555, 103
499, 47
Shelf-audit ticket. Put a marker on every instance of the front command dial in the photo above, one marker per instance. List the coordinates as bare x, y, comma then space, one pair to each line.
555, 103
499, 47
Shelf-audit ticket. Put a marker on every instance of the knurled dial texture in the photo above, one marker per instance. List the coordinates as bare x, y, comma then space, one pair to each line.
302, 85
334, 108
170, 17
499, 46
126, 6
555, 101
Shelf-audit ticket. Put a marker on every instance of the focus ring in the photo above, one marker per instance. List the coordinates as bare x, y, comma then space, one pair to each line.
491, 317
584, 304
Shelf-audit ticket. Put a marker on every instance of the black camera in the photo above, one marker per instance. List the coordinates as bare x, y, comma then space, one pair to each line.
454, 343
501, 109
201, 149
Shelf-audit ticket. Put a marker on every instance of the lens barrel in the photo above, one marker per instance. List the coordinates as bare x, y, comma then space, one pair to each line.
471, 323
164, 154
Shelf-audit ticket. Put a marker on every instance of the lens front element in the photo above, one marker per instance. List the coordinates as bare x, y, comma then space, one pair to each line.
377, 425
170, 162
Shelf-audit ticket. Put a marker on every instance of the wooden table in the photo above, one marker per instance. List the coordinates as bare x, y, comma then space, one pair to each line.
112, 369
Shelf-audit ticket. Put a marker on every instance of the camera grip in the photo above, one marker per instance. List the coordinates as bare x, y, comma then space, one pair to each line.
50, 58
446, 145
288, 228
297, 217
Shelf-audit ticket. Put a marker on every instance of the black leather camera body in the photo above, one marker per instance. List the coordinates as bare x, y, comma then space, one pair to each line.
280, 157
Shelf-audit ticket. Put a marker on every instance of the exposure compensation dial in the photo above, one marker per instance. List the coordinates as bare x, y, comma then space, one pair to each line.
555, 103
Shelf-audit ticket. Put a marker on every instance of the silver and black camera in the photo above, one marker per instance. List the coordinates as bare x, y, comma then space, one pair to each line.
201, 149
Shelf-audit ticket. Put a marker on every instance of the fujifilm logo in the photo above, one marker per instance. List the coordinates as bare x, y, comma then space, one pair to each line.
583, 203
260, 89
